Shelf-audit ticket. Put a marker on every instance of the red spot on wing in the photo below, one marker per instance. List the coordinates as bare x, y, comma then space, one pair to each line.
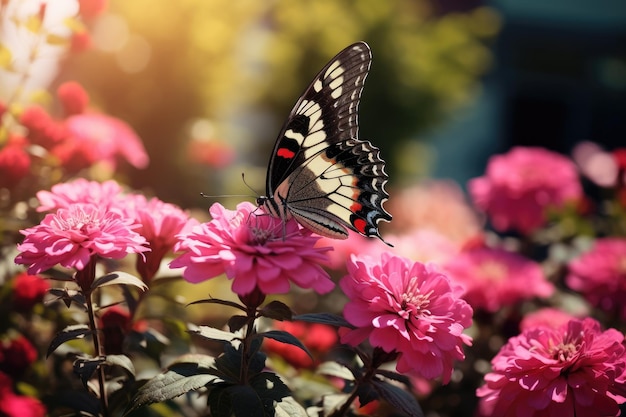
360, 224
285, 153
355, 207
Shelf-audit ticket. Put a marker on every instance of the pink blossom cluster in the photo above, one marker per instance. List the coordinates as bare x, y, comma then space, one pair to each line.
408, 308
519, 187
255, 250
572, 370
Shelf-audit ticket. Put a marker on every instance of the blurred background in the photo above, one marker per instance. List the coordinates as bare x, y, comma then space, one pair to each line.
208, 84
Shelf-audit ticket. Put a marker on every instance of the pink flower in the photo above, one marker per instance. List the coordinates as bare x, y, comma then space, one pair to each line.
521, 185
97, 137
13, 405
43, 130
159, 223
495, 278
576, 370
71, 236
600, 275
408, 308
253, 250
106, 195
546, 317
436, 205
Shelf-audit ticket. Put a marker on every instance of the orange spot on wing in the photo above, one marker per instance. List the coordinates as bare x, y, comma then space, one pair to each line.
285, 153
360, 224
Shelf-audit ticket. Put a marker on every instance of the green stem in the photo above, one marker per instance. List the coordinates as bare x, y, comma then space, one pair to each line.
85, 278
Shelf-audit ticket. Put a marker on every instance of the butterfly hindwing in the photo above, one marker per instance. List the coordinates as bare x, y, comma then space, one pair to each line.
320, 172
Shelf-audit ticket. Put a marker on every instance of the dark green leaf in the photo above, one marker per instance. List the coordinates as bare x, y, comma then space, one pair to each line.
237, 322
335, 369
270, 388
85, 366
118, 278
218, 301
189, 373
76, 331
395, 376
69, 296
277, 311
246, 402
366, 393
324, 318
285, 337
400, 399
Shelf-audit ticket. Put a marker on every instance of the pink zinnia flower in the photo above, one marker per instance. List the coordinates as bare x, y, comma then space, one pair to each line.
13, 405
546, 317
159, 223
600, 275
28, 290
521, 185
408, 308
493, 278
71, 236
95, 137
577, 370
105, 195
256, 251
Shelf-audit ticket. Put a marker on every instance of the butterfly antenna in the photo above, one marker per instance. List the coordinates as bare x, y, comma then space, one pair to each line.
225, 195
243, 178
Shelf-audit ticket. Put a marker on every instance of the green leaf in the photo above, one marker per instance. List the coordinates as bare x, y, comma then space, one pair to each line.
285, 337
212, 333
189, 373
277, 310
400, 399
76, 331
237, 322
245, 401
335, 369
289, 407
118, 278
394, 376
69, 296
121, 361
218, 301
85, 366
324, 318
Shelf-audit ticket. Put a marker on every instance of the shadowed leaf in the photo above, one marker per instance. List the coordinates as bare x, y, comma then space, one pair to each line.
76, 331
119, 278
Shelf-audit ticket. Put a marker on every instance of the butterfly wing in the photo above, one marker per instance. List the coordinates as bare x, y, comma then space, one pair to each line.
320, 172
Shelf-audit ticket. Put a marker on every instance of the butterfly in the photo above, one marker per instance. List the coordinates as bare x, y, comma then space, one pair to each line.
320, 172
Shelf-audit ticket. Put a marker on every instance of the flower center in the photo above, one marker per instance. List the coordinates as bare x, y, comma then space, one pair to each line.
563, 352
493, 270
78, 219
413, 301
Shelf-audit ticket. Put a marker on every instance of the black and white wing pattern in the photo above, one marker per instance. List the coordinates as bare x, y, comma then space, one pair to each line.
320, 172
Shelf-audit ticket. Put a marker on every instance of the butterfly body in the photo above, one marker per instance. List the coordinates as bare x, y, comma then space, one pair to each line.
320, 172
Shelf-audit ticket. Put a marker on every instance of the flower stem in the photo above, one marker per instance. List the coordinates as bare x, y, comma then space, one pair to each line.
86, 276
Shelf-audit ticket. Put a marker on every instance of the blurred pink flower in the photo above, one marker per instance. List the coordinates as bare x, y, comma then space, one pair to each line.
95, 137
105, 195
436, 205
600, 275
14, 161
159, 223
521, 185
254, 250
546, 317
16, 356
596, 164
408, 308
212, 152
576, 370
494, 278
13, 405
71, 236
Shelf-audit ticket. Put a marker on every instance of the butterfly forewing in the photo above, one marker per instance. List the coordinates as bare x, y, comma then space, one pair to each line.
320, 172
